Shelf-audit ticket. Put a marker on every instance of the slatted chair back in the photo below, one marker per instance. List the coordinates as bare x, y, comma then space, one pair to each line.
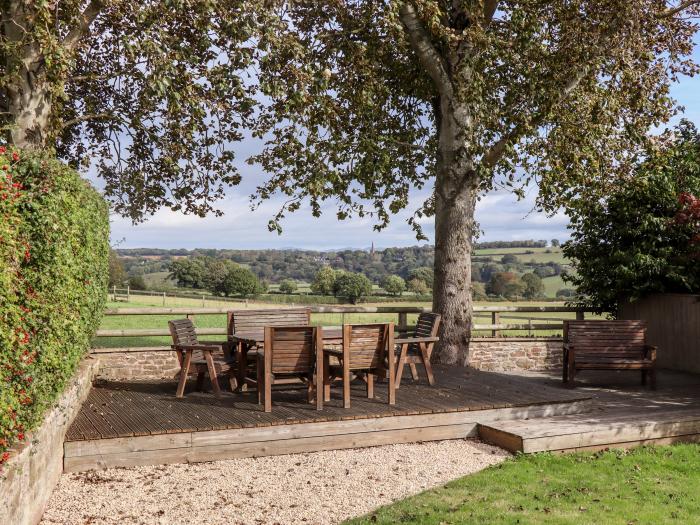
183, 333
428, 325
367, 345
292, 348
251, 320
615, 339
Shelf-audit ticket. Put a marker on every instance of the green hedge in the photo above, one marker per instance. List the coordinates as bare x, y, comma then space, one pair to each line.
54, 245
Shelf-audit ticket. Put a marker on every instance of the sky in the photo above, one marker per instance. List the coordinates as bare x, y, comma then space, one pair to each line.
500, 214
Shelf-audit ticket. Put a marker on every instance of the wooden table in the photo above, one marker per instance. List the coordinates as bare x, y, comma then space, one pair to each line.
245, 340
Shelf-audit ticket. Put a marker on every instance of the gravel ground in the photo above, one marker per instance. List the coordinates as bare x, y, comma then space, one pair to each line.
320, 487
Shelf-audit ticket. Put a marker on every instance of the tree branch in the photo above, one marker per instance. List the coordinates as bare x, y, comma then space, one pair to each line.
83, 118
494, 154
87, 17
433, 62
490, 7
680, 7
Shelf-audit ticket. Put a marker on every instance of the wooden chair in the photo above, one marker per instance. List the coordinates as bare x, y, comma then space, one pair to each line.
417, 347
367, 350
608, 345
202, 355
254, 320
290, 351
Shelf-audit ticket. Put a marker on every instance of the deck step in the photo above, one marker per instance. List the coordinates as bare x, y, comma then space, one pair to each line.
595, 430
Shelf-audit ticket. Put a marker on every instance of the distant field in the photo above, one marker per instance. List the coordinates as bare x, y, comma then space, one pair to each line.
159, 280
219, 320
553, 284
539, 255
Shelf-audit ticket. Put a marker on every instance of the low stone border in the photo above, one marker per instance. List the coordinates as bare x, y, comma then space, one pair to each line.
512, 354
35, 466
492, 354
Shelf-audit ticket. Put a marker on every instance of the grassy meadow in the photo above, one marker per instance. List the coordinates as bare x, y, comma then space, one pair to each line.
126, 322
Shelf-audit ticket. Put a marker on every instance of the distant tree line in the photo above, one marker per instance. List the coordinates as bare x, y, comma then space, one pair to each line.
219, 276
275, 266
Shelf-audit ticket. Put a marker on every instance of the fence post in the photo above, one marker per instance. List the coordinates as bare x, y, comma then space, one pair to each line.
114, 292
128, 293
579, 315
202, 300
403, 320
529, 327
163, 298
495, 319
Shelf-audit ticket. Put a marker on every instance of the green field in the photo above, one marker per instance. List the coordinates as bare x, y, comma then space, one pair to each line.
125, 322
553, 284
648, 485
539, 255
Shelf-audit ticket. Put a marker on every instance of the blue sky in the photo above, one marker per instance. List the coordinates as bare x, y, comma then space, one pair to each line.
500, 215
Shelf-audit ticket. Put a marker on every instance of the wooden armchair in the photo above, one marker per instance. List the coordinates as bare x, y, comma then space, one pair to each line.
367, 350
294, 351
202, 356
417, 347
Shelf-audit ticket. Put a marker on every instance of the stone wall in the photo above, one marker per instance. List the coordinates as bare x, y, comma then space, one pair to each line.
129, 363
503, 354
511, 354
36, 465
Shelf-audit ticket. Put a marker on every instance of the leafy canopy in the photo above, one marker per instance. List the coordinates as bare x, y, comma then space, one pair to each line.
153, 94
562, 92
352, 286
644, 237
394, 285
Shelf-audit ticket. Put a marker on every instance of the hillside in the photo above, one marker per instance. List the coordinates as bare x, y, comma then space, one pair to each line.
273, 266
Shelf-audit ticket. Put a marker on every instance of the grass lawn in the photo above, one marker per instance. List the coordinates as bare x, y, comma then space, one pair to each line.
125, 322
648, 485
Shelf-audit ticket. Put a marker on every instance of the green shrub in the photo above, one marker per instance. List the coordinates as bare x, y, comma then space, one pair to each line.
644, 237
54, 251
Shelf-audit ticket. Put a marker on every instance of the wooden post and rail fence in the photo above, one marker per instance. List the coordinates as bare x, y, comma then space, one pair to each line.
501, 318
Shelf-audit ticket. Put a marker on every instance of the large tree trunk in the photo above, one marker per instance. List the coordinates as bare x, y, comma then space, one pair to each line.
455, 199
30, 110
26, 96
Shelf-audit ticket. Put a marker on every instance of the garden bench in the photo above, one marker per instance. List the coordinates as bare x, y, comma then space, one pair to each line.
202, 356
608, 345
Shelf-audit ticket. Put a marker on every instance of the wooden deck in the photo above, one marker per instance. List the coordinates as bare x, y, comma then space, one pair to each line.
137, 423
621, 414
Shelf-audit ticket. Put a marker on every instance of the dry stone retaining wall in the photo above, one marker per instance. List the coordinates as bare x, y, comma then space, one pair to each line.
148, 363
35, 466
511, 354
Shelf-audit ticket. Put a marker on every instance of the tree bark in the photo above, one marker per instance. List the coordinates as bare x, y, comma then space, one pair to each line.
29, 105
456, 191
26, 94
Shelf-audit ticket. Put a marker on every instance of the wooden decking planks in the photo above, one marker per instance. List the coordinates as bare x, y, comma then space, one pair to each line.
615, 428
138, 423
123, 409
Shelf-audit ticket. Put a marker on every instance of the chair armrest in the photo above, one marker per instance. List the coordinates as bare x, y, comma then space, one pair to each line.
405, 340
333, 351
650, 352
203, 347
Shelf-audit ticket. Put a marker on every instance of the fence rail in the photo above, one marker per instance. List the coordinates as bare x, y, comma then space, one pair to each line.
498, 315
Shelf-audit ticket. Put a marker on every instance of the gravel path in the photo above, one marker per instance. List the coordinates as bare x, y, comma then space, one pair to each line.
320, 487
